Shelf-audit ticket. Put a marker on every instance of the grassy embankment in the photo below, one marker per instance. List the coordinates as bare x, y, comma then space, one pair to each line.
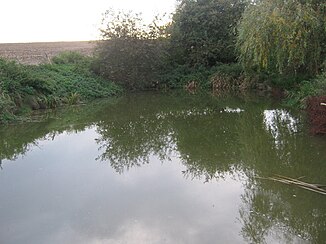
67, 80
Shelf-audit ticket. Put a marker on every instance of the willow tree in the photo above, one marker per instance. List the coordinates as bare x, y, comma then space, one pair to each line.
284, 37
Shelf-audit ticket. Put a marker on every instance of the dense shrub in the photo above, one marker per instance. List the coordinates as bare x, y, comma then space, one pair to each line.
181, 75
70, 58
310, 88
229, 77
130, 54
232, 76
203, 32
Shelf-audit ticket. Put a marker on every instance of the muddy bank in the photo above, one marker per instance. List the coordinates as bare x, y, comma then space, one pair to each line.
316, 109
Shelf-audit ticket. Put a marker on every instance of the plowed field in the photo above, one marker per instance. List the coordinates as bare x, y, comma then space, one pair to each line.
42, 52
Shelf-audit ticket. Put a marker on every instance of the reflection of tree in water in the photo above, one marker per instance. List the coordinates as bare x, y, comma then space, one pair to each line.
272, 211
208, 145
211, 141
19, 139
131, 143
281, 213
194, 129
133, 131
13, 144
141, 128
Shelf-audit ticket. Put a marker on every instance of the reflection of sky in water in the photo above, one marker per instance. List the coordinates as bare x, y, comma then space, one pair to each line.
59, 193
185, 113
196, 112
233, 110
275, 120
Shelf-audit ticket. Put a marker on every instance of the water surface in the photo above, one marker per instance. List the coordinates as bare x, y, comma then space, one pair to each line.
162, 168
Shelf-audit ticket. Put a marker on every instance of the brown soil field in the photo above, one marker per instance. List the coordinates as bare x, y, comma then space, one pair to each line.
42, 52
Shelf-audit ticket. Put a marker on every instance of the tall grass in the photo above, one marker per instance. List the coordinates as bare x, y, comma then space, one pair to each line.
67, 80
306, 89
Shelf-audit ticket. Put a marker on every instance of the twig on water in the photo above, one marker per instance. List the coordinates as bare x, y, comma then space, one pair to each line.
290, 181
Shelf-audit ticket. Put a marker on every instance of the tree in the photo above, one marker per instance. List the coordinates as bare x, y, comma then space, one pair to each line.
202, 32
283, 37
130, 53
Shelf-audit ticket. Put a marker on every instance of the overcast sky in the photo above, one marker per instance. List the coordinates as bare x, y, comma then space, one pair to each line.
65, 20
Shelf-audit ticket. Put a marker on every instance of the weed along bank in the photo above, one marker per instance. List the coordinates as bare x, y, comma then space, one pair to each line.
206, 125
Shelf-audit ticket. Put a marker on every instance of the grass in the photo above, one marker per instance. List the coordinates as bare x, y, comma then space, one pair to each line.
67, 80
309, 88
180, 75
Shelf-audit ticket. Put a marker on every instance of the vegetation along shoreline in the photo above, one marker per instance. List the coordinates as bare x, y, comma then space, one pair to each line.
209, 44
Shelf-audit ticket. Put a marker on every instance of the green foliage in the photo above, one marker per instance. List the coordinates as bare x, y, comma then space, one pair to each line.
16, 78
229, 77
314, 87
232, 70
70, 58
130, 53
67, 80
7, 107
283, 37
180, 75
139, 56
201, 39
287, 82
202, 32
73, 98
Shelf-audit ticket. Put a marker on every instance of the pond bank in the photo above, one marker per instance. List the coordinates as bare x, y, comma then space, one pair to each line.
67, 80
316, 109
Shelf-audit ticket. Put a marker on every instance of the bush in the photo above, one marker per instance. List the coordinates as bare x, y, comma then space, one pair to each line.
179, 76
130, 54
229, 77
202, 32
232, 70
306, 89
70, 58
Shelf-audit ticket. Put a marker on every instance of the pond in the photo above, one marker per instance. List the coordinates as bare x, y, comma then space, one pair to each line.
162, 168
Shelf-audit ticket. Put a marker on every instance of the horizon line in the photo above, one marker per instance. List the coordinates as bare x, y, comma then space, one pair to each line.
31, 42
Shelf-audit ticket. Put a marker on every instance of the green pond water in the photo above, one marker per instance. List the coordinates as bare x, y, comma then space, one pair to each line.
162, 168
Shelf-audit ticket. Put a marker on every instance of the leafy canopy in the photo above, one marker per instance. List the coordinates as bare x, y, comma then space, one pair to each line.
130, 52
283, 37
202, 33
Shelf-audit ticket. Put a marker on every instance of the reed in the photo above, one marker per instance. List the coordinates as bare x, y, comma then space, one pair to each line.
318, 188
